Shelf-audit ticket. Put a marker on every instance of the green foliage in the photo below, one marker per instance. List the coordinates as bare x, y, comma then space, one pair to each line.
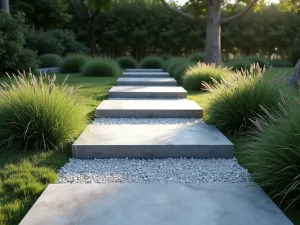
127, 62
13, 55
295, 52
195, 75
179, 71
37, 114
233, 101
239, 64
101, 68
171, 64
273, 152
281, 63
73, 63
50, 60
262, 62
37, 12
166, 57
152, 62
60, 42
197, 57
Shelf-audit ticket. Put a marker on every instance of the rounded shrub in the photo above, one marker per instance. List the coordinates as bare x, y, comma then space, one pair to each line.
179, 71
50, 60
233, 101
281, 63
273, 153
127, 62
73, 63
152, 62
262, 62
165, 57
37, 114
101, 68
195, 75
239, 64
197, 57
295, 52
172, 63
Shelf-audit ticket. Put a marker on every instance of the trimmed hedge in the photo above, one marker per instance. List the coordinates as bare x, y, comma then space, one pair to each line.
73, 63
50, 60
101, 68
152, 62
127, 62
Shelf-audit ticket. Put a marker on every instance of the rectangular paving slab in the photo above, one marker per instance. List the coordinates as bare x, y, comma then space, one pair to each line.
144, 70
149, 109
146, 81
154, 204
147, 92
146, 74
198, 140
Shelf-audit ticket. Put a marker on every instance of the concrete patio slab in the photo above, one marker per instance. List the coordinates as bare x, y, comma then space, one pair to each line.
146, 74
149, 81
149, 109
144, 70
154, 204
147, 92
198, 140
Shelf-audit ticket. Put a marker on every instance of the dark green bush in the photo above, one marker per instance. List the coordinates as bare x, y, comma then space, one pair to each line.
36, 114
197, 57
27, 61
262, 62
101, 68
281, 63
50, 60
127, 62
195, 75
239, 64
273, 153
73, 63
152, 62
233, 101
13, 55
171, 64
295, 53
60, 42
179, 71
166, 57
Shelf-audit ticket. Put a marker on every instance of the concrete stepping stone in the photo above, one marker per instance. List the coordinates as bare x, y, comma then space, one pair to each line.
146, 74
144, 70
155, 204
147, 92
148, 81
198, 140
149, 109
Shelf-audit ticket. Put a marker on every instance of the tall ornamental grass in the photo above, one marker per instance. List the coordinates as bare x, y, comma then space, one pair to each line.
36, 113
233, 101
273, 153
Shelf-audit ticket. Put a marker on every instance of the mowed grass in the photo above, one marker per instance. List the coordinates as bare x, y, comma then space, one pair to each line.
24, 175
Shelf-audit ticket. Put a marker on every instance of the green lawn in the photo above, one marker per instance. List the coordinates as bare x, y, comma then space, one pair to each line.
23, 176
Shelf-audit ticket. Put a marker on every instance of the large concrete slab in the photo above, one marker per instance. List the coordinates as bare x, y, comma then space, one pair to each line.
198, 140
147, 92
148, 81
149, 109
154, 204
144, 70
146, 74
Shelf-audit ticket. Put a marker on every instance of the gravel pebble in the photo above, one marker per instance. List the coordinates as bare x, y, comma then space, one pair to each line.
146, 121
153, 171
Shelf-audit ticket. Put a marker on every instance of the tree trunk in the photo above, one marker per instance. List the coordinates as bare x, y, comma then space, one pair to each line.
294, 80
213, 33
5, 5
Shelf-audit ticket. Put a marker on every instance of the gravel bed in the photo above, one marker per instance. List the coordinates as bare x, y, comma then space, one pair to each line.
146, 121
153, 171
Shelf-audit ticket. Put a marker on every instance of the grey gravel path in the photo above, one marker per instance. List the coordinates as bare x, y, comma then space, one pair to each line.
153, 171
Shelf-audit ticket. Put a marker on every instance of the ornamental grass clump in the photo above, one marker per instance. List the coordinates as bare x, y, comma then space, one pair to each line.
273, 151
236, 99
201, 72
36, 113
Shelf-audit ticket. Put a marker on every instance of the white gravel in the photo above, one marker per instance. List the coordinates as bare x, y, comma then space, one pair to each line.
153, 171
146, 121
